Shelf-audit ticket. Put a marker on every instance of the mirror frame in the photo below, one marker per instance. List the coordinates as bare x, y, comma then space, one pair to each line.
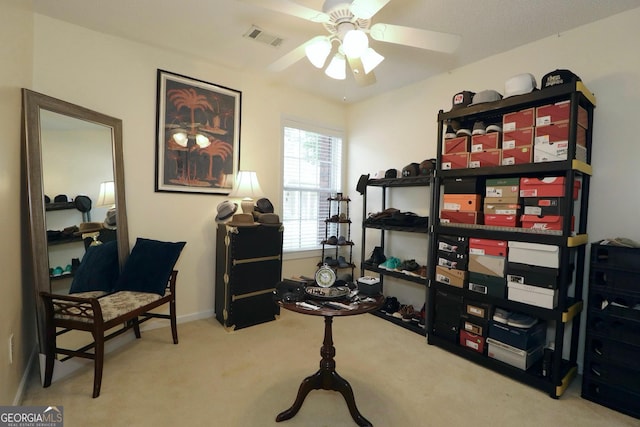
33, 103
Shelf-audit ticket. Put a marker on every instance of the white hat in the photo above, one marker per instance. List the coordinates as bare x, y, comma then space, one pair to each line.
519, 84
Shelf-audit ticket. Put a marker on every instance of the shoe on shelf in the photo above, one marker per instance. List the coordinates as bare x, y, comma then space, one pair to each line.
57, 271
501, 315
390, 306
463, 132
67, 270
377, 256
408, 266
449, 133
479, 128
342, 262
341, 240
494, 127
390, 264
408, 313
333, 240
330, 261
519, 320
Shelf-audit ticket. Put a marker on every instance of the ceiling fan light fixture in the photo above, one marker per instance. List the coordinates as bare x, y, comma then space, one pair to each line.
318, 50
337, 68
370, 60
355, 43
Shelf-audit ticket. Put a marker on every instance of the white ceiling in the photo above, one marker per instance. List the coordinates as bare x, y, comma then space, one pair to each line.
213, 30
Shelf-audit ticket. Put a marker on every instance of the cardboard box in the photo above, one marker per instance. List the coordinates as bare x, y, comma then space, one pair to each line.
457, 217
451, 277
518, 120
507, 188
459, 261
478, 309
463, 185
552, 186
522, 359
532, 295
517, 138
560, 112
502, 220
485, 142
487, 285
556, 152
534, 254
472, 341
481, 159
544, 206
546, 223
501, 200
457, 244
462, 202
487, 264
488, 247
521, 338
456, 145
455, 161
517, 156
534, 275
474, 324
502, 208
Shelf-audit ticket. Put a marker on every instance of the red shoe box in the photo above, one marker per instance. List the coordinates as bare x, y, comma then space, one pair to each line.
458, 217
518, 120
485, 158
502, 208
455, 161
456, 145
546, 187
543, 205
488, 247
548, 222
557, 133
501, 220
517, 156
517, 138
462, 202
472, 341
485, 142
560, 112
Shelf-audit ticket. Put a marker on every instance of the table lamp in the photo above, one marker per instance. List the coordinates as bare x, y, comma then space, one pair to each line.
107, 197
247, 188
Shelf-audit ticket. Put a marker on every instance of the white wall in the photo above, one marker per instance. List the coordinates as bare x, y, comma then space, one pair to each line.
118, 78
397, 128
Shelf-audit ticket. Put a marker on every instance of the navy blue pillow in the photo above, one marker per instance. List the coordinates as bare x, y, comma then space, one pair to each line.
149, 266
98, 270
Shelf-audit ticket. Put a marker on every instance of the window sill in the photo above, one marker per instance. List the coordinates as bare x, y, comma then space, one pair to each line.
302, 254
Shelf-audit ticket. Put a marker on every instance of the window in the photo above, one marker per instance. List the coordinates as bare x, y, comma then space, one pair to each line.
312, 171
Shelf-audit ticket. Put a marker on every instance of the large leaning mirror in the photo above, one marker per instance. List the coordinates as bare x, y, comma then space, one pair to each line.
75, 183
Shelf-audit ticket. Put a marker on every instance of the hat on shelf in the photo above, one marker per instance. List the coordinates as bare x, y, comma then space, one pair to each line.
558, 77
461, 99
225, 210
412, 169
362, 183
488, 95
519, 85
88, 227
242, 220
61, 198
264, 205
83, 203
269, 219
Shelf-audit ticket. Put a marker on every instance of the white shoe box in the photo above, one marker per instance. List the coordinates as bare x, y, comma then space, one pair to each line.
533, 295
522, 359
534, 254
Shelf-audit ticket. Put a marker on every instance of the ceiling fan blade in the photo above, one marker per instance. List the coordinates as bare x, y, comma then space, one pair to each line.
289, 59
292, 8
365, 9
362, 78
423, 39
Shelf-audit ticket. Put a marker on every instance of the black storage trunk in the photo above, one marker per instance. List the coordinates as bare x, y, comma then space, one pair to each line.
248, 267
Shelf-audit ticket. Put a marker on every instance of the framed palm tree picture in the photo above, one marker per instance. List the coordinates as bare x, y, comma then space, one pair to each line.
198, 135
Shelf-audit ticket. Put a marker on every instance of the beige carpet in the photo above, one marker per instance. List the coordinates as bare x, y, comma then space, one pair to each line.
246, 377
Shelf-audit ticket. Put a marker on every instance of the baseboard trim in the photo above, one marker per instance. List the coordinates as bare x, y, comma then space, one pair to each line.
31, 364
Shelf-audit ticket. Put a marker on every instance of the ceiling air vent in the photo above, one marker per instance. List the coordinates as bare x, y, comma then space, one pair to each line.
259, 35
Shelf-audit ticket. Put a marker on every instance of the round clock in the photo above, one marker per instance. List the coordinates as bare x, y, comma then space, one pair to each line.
325, 276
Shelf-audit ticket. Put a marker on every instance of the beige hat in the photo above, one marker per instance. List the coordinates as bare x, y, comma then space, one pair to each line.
270, 219
89, 227
242, 220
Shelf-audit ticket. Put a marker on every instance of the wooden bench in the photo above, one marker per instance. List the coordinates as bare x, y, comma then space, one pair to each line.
98, 312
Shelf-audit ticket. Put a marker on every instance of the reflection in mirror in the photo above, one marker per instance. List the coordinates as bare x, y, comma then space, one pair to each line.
70, 151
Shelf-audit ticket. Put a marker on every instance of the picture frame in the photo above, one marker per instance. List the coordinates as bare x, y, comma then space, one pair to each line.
198, 135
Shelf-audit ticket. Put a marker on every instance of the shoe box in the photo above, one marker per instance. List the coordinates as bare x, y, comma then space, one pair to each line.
464, 185
459, 261
517, 156
474, 324
501, 204
460, 217
446, 320
551, 143
491, 208
481, 310
527, 274
475, 342
485, 158
534, 254
486, 284
451, 276
487, 264
368, 285
502, 220
488, 247
520, 338
560, 112
522, 359
546, 187
507, 189
453, 251
542, 206
456, 145
489, 141
455, 161
518, 120
517, 138
547, 223
462, 202
532, 295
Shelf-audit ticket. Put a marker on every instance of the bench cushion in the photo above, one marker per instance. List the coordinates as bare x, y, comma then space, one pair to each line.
111, 305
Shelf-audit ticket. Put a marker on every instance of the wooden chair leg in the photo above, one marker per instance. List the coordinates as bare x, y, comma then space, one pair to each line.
50, 353
136, 326
98, 362
174, 324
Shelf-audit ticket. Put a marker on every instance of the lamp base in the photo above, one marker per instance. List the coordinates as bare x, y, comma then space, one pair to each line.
247, 206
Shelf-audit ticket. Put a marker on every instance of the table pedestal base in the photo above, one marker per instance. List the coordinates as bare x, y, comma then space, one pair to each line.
327, 379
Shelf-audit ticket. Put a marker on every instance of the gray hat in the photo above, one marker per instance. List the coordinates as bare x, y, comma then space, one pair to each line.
225, 210
486, 96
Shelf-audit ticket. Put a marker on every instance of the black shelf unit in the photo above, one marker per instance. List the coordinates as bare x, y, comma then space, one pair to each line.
611, 375
384, 184
339, 221
571, 244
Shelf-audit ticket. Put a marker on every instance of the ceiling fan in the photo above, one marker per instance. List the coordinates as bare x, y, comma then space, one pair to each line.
348, 22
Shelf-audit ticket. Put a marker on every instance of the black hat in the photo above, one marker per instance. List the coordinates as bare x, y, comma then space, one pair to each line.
61, 198
391, 173
559, 77
83, 203
412, 169
462, 99
362, 183
263, 205
427, 166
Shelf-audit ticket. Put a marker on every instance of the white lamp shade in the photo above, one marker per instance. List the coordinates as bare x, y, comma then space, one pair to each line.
337, 68
370, 60
107, 194
248, 188
318, 50
355, 43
